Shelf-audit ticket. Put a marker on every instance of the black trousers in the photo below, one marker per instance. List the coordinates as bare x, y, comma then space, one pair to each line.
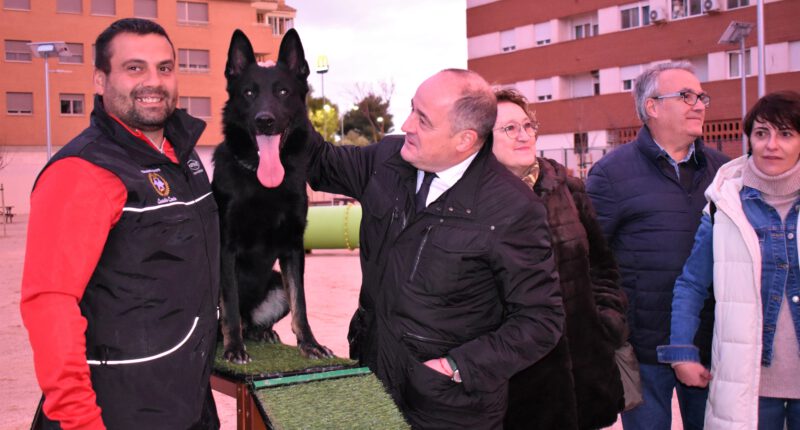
208, 420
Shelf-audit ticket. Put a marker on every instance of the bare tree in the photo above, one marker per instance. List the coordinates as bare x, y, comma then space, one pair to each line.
372, 118
5, 158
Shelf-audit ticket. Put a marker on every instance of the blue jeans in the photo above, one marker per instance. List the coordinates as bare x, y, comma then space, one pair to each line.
658, 381
773, 413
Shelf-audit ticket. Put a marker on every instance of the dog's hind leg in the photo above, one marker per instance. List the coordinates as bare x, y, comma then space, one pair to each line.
233, 343
292, 268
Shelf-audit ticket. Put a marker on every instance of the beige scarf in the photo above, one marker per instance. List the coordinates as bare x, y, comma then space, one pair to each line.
532, 174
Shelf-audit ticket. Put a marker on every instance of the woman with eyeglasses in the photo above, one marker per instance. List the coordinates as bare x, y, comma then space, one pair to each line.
746, 249
576, 386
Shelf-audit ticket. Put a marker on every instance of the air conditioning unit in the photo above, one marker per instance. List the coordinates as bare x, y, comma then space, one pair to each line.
711, 6
658, 14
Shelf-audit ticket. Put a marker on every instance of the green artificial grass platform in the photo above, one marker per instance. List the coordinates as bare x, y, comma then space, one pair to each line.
275, 360
356, 402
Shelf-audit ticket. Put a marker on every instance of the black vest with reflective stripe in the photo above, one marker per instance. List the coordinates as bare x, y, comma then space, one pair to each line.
151, 303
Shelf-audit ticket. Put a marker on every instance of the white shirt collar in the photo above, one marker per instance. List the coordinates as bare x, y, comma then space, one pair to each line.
444, 179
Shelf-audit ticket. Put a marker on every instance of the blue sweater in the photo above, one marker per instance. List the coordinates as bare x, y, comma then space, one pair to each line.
650, 220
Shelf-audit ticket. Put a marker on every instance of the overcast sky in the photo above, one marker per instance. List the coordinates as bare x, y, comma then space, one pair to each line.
374, 41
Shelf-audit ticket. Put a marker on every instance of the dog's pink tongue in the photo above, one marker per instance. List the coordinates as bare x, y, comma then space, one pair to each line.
270, 170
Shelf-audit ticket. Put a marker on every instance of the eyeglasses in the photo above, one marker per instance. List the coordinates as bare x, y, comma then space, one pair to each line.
688, 97
512, 129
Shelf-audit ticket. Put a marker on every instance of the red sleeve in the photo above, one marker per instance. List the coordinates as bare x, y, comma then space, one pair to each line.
73, 207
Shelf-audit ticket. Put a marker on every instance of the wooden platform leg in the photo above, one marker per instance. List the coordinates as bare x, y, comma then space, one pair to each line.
247, 415
254, 420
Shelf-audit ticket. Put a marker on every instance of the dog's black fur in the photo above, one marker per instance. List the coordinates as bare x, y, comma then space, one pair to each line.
263, 215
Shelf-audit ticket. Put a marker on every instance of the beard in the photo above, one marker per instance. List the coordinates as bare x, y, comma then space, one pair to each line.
145, 118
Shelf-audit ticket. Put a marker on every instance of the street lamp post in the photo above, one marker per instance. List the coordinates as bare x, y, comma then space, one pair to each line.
380, 121
327, 109
762, 72
737, 32
46, 50
322, 69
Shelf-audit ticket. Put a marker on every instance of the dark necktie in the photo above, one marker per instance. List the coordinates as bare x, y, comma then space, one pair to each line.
422, 194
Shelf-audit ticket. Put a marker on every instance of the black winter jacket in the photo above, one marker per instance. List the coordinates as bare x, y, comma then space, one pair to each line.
577, 385
650, 219
472, 276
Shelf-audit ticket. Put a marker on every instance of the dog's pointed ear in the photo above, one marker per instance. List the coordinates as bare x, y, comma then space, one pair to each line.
292, 54
240, 55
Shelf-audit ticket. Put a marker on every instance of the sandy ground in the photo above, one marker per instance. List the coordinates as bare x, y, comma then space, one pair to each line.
332, 282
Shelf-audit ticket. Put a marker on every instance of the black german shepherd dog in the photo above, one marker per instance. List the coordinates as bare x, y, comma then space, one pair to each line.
260, 187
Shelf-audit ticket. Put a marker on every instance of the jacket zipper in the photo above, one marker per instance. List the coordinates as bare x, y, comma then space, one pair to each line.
419, 252
430, 340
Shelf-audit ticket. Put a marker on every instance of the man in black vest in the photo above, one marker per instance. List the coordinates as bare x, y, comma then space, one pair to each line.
121, 277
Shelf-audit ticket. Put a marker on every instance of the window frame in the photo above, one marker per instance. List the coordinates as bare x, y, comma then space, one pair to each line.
93, 3
542, 91
748, 64
508, 40
739, 4
18, 113
636, 12
76, 12
629, 83
537, 33
183, 18
26, 53
188, 104
6, 7
283, 23
686, 9
580, 142
139, 15
794, 56
72, 50
71, 99
188, 67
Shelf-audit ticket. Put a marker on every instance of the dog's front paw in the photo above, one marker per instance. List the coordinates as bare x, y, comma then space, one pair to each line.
314, 350
236, 354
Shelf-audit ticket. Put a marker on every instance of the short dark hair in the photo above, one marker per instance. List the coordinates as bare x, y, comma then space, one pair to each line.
781, 109
126, 25
510, 95
476, 106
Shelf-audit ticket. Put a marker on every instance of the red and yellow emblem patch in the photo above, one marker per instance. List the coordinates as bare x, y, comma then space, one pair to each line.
159, 184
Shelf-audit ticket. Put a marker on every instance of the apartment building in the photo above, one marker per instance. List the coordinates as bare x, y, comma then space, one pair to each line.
576, 62
200, 31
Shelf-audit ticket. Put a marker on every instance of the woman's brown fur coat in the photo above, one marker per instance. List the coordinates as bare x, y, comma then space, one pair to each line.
576, 386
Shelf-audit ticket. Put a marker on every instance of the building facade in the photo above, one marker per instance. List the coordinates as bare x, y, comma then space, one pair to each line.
199, 29
576, 62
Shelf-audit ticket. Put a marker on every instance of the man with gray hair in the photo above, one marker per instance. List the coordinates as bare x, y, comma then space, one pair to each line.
459, 283
649, 196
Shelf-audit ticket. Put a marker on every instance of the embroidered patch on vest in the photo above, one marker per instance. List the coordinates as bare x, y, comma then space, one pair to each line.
195, 166
159, 184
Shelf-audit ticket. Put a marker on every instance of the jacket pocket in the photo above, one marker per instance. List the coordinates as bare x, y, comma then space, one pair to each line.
424, 348
455, 264
462, 239
429, 390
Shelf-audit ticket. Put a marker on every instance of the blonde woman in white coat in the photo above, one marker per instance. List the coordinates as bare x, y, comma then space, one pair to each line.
747, 248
